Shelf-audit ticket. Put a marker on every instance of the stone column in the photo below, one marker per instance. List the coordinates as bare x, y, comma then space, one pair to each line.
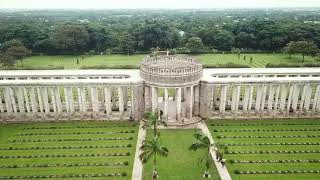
165, 104
258, 98
223, 99
66, 98
263, 98
83, 99
107, 100
206, 100
147, 98
79, 99
316, 100
295, 97
178, 100
246, 99
250, 98
303, 95
45, 99
114, 97
289, 99
40, 101
234, 98
53, 100
58, 99
275, 106
1, 105
270, 98
283, 97
196, 100
94, 100
33, 100
20, 98
154, 99
125, 97
121, 103
8, 100
308, 97
238, 98
13, 100
138, 101
190, 101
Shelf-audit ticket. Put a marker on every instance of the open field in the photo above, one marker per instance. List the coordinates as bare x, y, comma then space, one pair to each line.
270, 149
79, 150
70, 62
181, 164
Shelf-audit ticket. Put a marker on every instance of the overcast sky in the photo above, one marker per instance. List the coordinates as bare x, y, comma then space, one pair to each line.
132, 4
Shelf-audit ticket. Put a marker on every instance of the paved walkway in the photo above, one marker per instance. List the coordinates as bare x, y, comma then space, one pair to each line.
137, 165
222, 170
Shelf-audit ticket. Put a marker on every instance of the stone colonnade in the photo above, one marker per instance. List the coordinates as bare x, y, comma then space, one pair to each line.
186, 100
85, 101
259, 99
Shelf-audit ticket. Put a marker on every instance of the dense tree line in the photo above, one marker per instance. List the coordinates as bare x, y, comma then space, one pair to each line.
78, 32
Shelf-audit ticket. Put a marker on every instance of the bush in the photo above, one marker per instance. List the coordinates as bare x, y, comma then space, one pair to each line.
237, 171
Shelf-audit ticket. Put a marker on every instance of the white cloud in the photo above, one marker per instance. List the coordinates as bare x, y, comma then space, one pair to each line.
124, 4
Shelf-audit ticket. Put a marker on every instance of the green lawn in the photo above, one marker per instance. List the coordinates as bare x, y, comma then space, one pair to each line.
70, 62
90, 142
181, 164
263, 137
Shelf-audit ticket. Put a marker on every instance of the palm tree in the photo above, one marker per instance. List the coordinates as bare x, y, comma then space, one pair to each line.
203, 142
153, 148
152, 121
220, 150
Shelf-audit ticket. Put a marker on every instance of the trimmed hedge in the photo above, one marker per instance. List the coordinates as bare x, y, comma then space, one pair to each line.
63, 176
77, 127
268, 144
110, 67
269, 65
72, 139
228, 65
65, 155
75, 133
275, 161
264, 130
126, 163
66, 147
271, 136
273, 152
265, 124
277, 172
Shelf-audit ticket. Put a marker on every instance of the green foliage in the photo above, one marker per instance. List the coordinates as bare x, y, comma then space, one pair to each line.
202, 142
194, 45
302, 47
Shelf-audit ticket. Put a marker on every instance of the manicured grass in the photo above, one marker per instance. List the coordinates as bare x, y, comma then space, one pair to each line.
67, 141
181, 163
274, 127
70, 62
259, 60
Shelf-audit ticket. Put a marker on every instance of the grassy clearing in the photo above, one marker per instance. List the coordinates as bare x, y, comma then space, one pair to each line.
289, 148
70, 62
56, 154
181, 164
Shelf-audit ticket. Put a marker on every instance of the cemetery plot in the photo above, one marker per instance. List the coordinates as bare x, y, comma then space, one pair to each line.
270, 149
90, 150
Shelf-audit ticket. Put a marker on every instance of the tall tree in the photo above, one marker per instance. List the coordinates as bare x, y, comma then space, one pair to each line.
12, 51
70, 38
194, 45
126, 43
303, 48
153, 148
203, 142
